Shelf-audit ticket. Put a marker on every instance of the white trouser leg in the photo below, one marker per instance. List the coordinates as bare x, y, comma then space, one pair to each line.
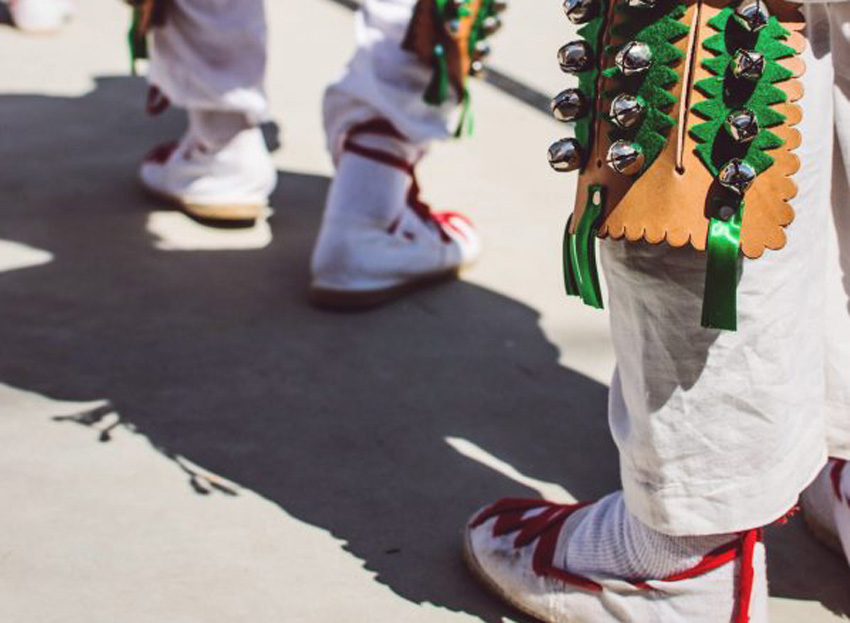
721, 431
383, 80
212, 56
837, 325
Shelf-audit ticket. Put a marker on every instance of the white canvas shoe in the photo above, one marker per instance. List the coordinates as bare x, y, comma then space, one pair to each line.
40, 16
378, 240
230, 183
513, 547
826, 507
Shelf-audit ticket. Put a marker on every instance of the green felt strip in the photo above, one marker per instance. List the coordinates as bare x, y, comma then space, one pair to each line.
722, 100
587, 80
138, 42
441, 7
660, 29
438, 89
724, 95
476, 34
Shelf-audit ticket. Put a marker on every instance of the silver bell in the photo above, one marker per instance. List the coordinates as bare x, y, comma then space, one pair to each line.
569, 105
499, 6
748, 65
635, 57
580, 11
565, 155
575, 57
641, 4
491, 25
625, 157
482, 50
752, 15
742, 125
477, 69
627, 110
737, 175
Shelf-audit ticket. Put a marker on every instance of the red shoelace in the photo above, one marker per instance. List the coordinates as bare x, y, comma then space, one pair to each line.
546, 526
445, 221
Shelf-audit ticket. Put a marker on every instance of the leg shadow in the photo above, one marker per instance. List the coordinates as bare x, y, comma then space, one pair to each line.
214, 355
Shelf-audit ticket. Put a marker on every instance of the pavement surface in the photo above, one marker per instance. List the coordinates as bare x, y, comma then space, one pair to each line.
186, 440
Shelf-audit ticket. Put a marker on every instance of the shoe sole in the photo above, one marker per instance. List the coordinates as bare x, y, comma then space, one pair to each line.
357, 300
231, 214
479, 574
823, 534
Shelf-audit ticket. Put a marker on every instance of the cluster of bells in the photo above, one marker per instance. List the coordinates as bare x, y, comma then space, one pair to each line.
490, 25
627, 110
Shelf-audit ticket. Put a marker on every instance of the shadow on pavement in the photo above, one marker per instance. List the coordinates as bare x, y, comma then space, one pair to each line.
341, 420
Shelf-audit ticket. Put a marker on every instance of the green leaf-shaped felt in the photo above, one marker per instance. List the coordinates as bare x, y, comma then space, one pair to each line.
660, 29
592, 33
722, 100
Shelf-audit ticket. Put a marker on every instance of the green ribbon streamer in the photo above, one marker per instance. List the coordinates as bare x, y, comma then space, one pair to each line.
581, 277
466, 124
476, 34
719, 304
438, 90
570, 282
138, 42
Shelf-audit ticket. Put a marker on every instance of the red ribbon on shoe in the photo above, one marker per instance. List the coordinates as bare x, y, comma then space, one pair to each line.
382, 127
546, 527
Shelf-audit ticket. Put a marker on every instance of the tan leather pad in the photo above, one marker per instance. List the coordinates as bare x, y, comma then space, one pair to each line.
666, 204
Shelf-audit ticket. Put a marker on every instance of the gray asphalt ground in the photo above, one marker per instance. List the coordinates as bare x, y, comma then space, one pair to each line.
186, 440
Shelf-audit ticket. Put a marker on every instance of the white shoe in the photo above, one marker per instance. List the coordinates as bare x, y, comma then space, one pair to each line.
366, 256
511, 547
232, 183
40, 16
826, 507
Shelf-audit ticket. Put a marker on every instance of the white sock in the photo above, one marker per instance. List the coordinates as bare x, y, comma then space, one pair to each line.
367, 190
215, 128
605, 539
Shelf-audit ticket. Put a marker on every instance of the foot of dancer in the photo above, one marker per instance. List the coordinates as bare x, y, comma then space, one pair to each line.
220, 170
378, 239
598, 563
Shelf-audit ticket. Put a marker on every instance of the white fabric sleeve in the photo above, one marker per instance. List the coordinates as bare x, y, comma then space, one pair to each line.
211, 55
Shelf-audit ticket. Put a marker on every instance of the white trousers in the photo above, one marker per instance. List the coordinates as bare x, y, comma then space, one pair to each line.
211, 55
721, 431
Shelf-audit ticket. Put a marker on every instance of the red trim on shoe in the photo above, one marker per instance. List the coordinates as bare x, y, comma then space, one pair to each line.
157, 102
161, 153
546, 527
788, 516
382, 127
447, 219
747, 573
